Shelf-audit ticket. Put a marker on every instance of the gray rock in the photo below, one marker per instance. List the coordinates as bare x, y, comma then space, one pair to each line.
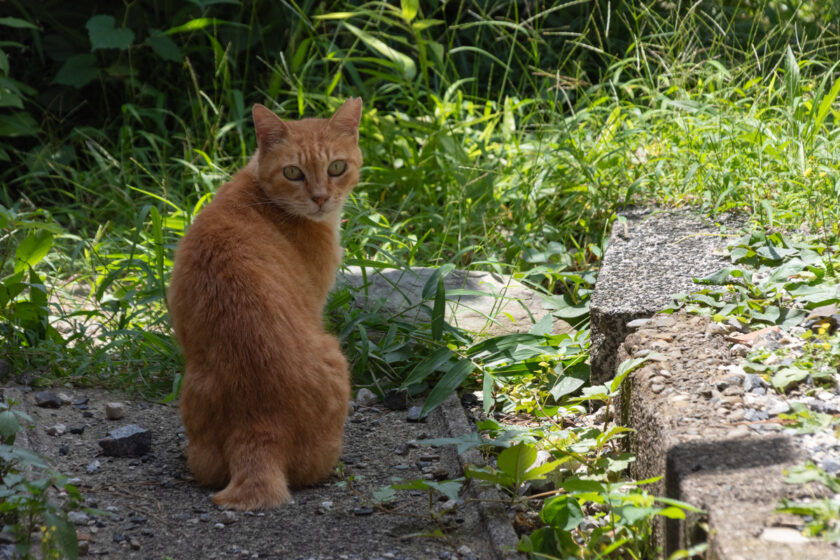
93, 467
228, 517
57, 430
78, 429
413, 414
776, 406
638, 323
127, 441
65, 399
831, 465
366, 397
114, 410
78, 517
47, 399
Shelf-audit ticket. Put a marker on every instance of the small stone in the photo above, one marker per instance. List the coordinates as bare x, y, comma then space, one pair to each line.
663, 320
78, 429
733, 390
718, 329
660, 346
135, 544
637, 323
57, 430
78, 517
783, 535
81, 404
363, 511
75, 481
751, 415
127, 441
118, 537
752, 381
114, 410
413, 414
739, 350
464, 550
366, 397
47, 399
830, 464
739, 432
657, 388
736, 325
65, 399
84, 547
776, 406
402, 467
401, 449
736, 415
228, 517
63, 449
325, 506
93, 467
219, 525
440, 473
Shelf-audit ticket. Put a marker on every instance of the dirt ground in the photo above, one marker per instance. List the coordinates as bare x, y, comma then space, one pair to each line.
157, 511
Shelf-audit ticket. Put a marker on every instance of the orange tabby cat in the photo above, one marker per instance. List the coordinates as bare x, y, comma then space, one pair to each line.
265, 392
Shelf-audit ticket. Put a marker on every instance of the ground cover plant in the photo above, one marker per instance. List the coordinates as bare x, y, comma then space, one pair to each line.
498, 136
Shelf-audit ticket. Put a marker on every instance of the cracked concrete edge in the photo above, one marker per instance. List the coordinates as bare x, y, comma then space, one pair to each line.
494, 518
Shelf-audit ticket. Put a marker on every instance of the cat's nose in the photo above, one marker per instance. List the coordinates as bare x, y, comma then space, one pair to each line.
320, 200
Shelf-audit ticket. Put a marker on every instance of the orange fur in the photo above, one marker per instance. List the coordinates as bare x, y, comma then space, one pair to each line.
265, 391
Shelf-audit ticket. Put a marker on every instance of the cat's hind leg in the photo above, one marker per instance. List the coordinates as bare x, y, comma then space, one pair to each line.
257, 479
208, 465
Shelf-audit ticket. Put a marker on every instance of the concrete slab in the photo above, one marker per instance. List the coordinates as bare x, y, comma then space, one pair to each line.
496, 303
650, 257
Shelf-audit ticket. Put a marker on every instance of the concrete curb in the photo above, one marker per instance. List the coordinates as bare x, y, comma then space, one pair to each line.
494, 518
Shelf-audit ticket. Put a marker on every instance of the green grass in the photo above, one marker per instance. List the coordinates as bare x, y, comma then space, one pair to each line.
498, 136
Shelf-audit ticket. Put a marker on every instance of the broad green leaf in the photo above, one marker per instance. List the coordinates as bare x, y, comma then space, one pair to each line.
570, 379
575, 485
409, 9
544, 326
516, 460
17, 22
788, 377
625, 368
407, 65
104, 34
562, 513
428, 366
32, 249
4, 62
384, 494
465, 442
77, 71
9, 426
448, 383
633, 514
65, 535
163, 45
19, 123
672, 513
9, 99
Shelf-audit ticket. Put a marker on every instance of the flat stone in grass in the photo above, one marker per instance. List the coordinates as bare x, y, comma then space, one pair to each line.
494, 304
47, 399
127, 441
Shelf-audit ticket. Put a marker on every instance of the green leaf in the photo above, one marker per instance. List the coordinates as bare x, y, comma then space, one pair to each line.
672, 513
633, 514
32, 249
625, 368
9, 426
77, 71
439, 311
544, 326
163, 45
575, 485
65, 535
104, 34
19, 123
562, 513
4, 62
570, 380
9, 99
385, 494
409, 9
17, 22
788, 377
429, 365
409, 69
516, 460
448, 383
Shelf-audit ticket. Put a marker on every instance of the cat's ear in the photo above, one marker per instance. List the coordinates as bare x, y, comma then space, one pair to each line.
270, 128
346, 119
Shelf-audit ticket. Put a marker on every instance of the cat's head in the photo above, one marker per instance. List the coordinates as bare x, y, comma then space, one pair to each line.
308, 167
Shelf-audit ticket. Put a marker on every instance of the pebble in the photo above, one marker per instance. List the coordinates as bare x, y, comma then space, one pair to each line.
363, 511
57, 430
78, 429
413, 414
366, 397
739, 432
47, 399
401, 449
114, 410
228, 517
718, 329
78, 517
93, 467
63, 449
219, 525
127, 441
135, 544
739, 350
638, 323
64, 398
776, 406
657, 388
783, 535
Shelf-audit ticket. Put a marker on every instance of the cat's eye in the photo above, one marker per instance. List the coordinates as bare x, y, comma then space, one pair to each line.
337, 167
293, 173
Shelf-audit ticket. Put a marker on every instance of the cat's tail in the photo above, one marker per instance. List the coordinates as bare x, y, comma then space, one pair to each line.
257, 478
